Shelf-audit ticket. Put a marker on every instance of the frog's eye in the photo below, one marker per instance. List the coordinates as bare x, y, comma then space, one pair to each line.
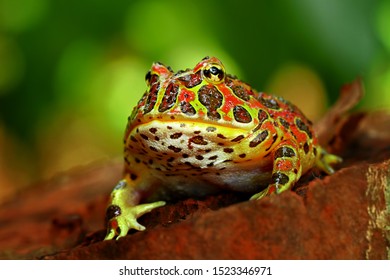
214, 73
148, 77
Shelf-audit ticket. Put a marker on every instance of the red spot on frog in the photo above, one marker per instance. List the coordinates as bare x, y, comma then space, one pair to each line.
186, 95
230, 101
161, 70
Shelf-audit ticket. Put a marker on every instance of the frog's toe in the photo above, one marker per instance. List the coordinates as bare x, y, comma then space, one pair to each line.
259, 195
119, 225
326, 162
110, 234
113, 229
141, 209
267, 191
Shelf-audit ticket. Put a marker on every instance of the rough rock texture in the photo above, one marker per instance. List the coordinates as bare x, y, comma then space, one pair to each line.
338, 219
57, 214
342, 216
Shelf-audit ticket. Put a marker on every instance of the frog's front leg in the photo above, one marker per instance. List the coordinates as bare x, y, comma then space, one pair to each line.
123, 209
286, 169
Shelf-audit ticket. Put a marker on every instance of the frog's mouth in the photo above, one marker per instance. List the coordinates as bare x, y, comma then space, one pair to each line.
179, 146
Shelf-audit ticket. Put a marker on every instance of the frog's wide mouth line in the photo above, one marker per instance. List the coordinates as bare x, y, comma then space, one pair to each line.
188, 124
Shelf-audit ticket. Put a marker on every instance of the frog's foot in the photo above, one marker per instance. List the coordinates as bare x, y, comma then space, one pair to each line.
267, 191
125, 218
326, 160
286, 169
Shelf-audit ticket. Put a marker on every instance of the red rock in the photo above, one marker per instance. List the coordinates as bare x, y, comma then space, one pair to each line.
342, 217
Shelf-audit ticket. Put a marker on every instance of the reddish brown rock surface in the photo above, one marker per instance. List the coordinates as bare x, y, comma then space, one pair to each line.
343, 216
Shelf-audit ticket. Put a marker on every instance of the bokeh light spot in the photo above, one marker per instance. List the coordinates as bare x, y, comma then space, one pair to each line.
155, 27
125, 88
302, 86
75, 68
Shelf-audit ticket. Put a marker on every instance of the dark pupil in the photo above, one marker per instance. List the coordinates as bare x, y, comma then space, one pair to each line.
214, 70
148, 76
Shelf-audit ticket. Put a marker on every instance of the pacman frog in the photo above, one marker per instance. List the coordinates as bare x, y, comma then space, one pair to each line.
199, 131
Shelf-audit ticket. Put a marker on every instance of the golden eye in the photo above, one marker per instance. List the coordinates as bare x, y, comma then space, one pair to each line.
214, 73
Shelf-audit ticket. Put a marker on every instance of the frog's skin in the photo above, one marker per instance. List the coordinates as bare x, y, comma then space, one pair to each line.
201, 130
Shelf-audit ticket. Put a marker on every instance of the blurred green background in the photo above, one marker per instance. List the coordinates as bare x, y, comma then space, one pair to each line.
71, 71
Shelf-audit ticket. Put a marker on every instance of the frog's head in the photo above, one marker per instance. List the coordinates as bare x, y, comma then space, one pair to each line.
206, 93
209, 70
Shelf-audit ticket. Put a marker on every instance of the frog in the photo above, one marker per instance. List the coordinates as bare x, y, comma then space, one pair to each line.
201, 131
